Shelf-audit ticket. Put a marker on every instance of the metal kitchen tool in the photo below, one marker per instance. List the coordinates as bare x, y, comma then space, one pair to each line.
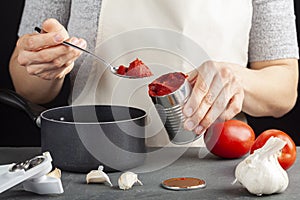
113, 69
169, 108
28, 164
32, 174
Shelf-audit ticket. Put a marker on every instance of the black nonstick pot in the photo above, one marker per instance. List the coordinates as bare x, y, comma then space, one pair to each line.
80, 138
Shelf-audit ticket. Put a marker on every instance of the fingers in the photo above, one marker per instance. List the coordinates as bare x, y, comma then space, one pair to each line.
54, 74
200, 90
214, 112
192, 77
35, 42
58, 55
234, 107
52, 25
211, 106
212, 99
54, 34
51, 62
44, 56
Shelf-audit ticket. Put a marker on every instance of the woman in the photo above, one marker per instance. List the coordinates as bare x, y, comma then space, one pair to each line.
232, 33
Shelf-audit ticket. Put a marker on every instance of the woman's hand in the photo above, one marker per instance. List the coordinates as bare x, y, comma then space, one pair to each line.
44, 56
217, 94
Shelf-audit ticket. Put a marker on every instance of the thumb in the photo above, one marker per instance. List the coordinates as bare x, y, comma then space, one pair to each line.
52, 25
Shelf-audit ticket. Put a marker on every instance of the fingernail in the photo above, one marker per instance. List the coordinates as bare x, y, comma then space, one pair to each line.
188, 112
189, 125
74, 41
58, 38
199, 130
82, 43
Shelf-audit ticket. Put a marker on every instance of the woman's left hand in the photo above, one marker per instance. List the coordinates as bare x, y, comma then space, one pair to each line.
217, 94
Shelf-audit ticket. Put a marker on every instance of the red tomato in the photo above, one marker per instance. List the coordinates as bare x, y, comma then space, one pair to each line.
230, 139
288, 154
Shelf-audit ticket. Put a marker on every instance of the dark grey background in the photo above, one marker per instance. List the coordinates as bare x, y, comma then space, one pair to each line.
16, 129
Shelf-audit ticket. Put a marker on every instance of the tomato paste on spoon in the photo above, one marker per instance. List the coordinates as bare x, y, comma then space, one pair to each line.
136, 69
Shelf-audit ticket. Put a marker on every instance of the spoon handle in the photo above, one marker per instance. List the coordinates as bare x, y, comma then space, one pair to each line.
113, 69
39, 30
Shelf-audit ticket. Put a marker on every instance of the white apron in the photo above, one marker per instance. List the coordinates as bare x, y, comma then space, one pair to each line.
168, 35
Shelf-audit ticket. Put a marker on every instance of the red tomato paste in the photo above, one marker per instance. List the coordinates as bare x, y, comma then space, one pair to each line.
136, 69
166, 84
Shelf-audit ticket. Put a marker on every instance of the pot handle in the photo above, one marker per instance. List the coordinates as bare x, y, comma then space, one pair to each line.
15, 100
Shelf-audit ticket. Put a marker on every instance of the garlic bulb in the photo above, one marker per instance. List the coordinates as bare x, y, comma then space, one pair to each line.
261, 172
127, 180
98, 176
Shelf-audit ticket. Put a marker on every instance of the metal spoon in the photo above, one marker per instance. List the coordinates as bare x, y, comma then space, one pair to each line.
113, 69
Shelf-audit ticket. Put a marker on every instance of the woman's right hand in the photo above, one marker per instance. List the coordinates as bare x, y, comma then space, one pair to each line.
43, 55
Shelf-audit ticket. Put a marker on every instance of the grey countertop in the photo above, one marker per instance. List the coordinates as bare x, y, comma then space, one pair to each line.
195, 162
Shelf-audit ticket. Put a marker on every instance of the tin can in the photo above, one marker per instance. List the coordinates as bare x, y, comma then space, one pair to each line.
169, 108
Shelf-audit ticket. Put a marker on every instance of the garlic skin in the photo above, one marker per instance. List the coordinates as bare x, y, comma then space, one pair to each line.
127, 180
56, 173
98, 176
260, 173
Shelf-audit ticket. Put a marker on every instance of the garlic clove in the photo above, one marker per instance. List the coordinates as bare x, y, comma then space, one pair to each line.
127, 180
98, 176
56, 173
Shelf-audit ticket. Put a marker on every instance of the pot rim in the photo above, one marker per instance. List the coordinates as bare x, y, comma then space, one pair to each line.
42, 115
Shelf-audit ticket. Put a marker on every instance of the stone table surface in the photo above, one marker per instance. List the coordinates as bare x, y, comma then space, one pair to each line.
193, 162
